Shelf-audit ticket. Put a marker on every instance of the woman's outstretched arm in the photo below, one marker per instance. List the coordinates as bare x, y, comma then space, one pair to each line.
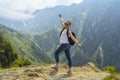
61, 20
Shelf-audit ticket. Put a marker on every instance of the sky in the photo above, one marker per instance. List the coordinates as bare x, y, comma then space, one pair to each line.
23, 9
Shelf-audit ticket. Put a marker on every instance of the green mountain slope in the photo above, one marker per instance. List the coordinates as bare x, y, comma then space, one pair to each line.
101, 32
48, 41
24, 45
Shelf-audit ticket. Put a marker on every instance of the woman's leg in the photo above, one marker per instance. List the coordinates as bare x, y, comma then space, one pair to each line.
61, 48
67, 53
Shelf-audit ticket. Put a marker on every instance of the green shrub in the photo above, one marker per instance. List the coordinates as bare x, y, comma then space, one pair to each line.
20, 62
110, 69
113, 74
110, 77
7, 53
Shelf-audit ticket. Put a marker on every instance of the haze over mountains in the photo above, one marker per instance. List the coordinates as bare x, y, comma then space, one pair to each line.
95, 22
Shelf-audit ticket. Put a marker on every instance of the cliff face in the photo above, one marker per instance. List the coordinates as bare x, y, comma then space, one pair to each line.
44, 72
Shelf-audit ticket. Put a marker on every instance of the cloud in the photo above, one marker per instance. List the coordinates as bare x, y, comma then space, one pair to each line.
22, 9
4, 13
68, 2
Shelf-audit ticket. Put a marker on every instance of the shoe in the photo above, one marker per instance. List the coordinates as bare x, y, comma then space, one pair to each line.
69, 72
55, 68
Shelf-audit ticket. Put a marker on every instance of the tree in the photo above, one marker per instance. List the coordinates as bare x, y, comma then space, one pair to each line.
7, 53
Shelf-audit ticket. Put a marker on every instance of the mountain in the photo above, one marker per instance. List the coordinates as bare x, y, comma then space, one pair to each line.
14, 24
48, 41
43, 21
101, 32
96, 24
24, 45
44, 72
48, 18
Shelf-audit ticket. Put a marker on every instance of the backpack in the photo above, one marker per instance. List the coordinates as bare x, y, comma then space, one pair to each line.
69, 38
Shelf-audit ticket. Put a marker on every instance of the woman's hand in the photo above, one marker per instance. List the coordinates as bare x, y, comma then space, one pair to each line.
61, 20
79, 45
60, 15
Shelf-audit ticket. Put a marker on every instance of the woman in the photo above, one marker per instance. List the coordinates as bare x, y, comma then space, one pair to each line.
64, 44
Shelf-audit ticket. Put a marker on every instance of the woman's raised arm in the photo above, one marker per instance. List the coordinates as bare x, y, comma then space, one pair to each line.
61, 20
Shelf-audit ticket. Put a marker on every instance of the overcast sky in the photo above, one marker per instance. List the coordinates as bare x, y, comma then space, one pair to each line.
22, 9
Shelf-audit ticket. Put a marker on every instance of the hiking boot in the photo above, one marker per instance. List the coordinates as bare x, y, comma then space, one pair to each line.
69, 71
55, 68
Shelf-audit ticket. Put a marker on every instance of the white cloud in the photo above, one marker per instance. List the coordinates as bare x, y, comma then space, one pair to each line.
5, 13
22, 9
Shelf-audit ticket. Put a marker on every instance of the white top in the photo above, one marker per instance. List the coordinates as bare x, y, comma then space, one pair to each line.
63, 37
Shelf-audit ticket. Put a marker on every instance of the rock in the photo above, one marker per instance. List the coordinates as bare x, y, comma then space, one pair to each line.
28, 70
33, 74
91, 67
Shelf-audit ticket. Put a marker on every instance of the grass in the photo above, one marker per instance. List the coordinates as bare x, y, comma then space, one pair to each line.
115, 76
112, 70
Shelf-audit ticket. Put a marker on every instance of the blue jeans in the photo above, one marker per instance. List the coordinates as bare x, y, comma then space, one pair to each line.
66, 48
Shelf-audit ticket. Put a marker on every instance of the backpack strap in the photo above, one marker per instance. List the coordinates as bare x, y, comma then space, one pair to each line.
61, 31
68, 32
